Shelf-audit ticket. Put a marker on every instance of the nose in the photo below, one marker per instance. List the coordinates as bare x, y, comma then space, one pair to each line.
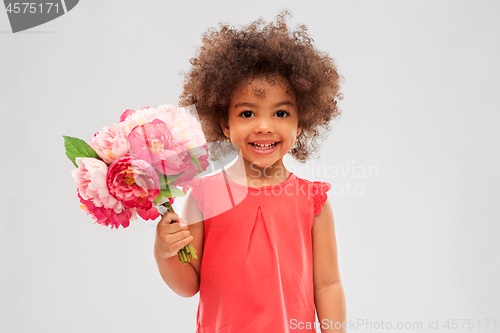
264, 125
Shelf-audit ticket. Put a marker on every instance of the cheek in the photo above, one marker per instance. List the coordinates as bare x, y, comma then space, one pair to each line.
292, 131
290, 139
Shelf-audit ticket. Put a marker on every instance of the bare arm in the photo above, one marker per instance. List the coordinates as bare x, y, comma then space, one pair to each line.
170, 238
328, 291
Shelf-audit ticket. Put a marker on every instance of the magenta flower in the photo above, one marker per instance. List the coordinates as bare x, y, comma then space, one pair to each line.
150, 214
152, 142
133, 182
106, 216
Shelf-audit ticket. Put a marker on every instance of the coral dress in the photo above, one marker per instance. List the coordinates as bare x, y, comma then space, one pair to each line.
256, 273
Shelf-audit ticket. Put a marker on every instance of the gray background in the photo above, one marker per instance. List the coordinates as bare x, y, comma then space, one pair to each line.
416, 242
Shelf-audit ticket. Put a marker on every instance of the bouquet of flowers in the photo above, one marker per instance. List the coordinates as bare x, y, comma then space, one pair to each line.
134, 167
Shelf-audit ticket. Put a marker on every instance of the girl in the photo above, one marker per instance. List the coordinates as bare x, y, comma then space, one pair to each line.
264, 237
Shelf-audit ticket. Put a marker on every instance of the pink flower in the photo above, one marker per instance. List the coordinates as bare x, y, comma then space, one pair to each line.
90, 179
185, 129
137, 118
110, 144
106, 216
193, 170
134, 182
152, 142
125, 114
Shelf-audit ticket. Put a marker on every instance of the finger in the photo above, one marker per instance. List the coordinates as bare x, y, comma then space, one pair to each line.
177, 220
178, 236
169, 217
165, 227
174, 227
183, 222
183, 242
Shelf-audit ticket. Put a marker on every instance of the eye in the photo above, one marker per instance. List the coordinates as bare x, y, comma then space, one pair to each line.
246, 113
249, 114
282, 113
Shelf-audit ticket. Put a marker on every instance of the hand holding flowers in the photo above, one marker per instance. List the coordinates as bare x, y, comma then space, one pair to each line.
133, 168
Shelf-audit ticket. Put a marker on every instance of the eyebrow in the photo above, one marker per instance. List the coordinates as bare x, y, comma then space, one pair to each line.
253, 105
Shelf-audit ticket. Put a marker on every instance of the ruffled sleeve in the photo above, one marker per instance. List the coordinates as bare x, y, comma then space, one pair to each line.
319, 190
198, 193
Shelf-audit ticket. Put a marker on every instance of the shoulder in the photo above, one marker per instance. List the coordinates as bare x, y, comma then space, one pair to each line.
196, 189
193, 205
204, 179
317, 190
208, 178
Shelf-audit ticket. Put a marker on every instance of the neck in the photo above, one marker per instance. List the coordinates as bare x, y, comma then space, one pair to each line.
244, 171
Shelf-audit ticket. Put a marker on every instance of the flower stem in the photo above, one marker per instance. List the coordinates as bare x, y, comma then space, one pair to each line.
183, 253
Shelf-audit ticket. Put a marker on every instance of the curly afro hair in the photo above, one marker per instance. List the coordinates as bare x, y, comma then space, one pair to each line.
229, 57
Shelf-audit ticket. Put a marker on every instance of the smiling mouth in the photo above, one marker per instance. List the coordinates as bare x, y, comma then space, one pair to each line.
264, 147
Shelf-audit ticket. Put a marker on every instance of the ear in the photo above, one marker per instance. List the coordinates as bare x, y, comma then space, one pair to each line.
299, 130
225, 127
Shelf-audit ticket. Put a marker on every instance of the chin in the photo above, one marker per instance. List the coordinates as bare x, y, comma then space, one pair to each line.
262, 164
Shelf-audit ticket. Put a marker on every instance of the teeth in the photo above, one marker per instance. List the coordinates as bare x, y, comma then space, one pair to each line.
263, 147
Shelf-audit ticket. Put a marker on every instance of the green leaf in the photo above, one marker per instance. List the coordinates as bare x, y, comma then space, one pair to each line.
163, 193
172, 178
169, 192
194, 159
176, 193
78, 148
164, 179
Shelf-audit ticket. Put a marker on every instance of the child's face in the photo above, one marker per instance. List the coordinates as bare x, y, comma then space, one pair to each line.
272, 118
